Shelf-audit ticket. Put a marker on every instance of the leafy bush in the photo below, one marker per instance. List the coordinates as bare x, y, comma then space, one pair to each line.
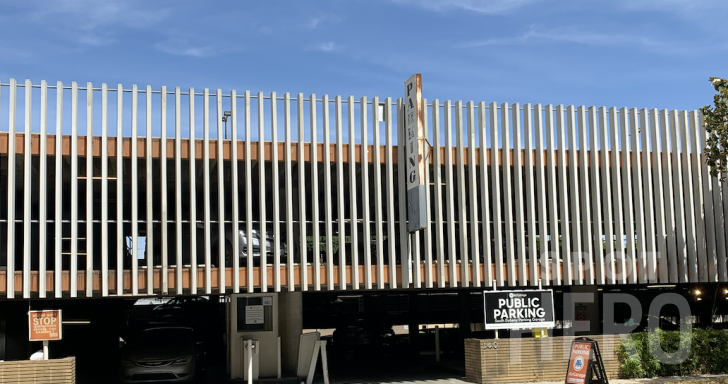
708, 353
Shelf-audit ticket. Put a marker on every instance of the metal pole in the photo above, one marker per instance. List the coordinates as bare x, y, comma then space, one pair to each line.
437, 343
279, 357
45, 349
250, 361
495, 288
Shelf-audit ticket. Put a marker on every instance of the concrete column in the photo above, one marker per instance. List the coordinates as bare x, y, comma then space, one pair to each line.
290, 326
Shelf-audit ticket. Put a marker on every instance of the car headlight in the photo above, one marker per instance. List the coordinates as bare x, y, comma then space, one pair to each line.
182, 360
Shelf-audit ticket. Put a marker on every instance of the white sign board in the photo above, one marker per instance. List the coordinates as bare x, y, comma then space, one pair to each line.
254, 314
414, 143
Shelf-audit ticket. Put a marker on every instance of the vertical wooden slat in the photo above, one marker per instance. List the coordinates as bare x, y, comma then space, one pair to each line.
563, 197
473, 192
193, 197
462, 215
552, 196
365, 201
248, 200
150, 195
428, 231
10, 255
163, 182
178, 189
519, 192
352, 195
604, 171
262, 196
643, 245
684, 256
694, 237
220, 159
207, 251
495, 189
289, 194
596, 200
437, 172
617, 195
378, 193
574, 194
42, 189
74, 190
507, 194
530, 187
542, 203
586, 275
713, 214
449, 196
665, 238
675, 227
27, 192
120, 240
341, 222
630, 250
276, 195
717, 260
405, 247
704, 236
104, 191
235, 189
303, 250
391, 233
58, 216
89, 191
650, 236
327, 197
314, 193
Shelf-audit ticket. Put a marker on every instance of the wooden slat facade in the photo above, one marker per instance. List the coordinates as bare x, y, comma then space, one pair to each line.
508, 193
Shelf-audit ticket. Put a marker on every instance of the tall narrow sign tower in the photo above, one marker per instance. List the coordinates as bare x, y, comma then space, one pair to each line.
414, 117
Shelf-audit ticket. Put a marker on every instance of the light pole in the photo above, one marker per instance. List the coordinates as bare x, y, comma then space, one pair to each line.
225, 119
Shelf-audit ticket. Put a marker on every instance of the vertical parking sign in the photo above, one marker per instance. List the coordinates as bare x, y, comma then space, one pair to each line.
414, 125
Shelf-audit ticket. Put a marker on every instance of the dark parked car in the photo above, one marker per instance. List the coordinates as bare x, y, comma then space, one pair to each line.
163, 354
362, 334
182, 310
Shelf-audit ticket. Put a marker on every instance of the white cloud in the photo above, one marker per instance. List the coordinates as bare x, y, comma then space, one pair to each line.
318, 21
578, 36
677, 6
90, 22
328, 46
480, 6
182, 47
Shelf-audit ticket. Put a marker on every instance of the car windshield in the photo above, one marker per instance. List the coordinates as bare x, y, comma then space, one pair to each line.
171, 338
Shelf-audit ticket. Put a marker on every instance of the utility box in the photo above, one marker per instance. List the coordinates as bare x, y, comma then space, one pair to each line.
252, 316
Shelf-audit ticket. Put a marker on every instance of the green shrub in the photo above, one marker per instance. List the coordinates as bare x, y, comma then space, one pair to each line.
708, 353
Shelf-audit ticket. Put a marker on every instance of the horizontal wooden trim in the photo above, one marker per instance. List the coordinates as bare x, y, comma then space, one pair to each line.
242, 272
227, 145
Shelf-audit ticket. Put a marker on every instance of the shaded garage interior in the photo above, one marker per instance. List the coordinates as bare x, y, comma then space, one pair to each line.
389, 329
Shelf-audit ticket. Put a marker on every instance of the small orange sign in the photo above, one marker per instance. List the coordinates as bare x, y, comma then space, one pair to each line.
44, 325
579, 371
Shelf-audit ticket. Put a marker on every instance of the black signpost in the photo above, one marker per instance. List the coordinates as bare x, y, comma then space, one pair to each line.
585, 363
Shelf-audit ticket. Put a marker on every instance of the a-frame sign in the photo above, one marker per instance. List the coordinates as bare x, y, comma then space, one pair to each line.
585, 363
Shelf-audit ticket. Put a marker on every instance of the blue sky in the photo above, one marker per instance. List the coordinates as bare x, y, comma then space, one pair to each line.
636, 53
